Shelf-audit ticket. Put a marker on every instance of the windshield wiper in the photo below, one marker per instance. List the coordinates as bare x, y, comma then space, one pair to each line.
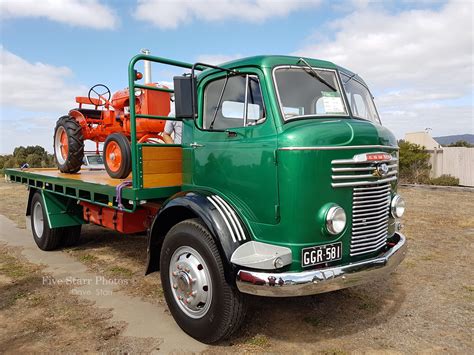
315, 74
211, 126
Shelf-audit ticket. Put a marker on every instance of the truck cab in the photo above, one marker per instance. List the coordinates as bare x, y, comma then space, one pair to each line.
290, 155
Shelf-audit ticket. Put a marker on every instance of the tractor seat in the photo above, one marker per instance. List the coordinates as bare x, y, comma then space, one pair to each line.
82, 100
93, 114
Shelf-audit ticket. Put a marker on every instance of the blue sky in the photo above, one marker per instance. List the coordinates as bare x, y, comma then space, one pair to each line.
416, 56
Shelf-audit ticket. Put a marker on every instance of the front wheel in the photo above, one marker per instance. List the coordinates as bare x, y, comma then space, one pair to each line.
117, 156
200, 299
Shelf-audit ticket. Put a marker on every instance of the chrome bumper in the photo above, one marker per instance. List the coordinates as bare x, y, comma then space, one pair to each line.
322, 280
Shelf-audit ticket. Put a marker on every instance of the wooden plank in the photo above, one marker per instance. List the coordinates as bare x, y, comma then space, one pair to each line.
162, 153
90, 176
162, 166
160, 180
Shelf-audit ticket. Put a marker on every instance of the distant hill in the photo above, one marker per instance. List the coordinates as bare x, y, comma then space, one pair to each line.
445, 140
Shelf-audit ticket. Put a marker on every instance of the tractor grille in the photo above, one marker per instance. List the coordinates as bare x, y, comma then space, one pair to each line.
370, 212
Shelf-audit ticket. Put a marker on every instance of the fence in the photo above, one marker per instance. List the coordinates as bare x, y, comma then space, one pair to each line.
455, 161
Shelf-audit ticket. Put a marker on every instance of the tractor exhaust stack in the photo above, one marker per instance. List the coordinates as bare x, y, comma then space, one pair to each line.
146, 67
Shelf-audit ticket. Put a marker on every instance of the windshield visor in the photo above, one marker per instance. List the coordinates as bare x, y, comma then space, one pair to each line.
360, 99
304, 91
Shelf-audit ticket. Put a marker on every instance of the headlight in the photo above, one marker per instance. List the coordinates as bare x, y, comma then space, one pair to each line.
397, 206
335, 220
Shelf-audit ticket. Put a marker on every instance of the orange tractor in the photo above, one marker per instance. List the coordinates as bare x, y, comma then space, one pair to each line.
108, 120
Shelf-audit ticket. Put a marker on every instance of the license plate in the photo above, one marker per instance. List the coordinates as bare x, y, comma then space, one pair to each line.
321, 254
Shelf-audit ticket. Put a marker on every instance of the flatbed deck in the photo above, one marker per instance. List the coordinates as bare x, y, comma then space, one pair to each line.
94, 186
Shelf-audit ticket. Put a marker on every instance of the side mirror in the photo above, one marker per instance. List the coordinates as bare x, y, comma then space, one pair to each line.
183, 96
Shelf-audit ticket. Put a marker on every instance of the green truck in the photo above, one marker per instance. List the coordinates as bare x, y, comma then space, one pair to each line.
285, 184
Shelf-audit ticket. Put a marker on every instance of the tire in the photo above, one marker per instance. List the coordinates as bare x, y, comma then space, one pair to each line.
117, 156
68, 145
71, 236
45, 238
217, 309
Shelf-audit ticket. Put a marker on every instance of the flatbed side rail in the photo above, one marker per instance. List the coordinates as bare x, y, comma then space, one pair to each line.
98, 194
94, 192
136, 148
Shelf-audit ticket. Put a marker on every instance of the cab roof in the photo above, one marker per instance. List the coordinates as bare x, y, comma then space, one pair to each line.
270, 61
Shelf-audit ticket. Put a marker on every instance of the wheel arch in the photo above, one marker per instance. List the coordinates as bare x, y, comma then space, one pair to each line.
61, 211
197, 204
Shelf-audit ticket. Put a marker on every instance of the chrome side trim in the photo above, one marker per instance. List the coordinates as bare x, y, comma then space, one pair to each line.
228, 215
288, 284
224, 217
239, 230
345, 147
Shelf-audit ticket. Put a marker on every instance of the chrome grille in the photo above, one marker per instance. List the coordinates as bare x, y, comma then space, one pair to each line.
355, 172
370, 212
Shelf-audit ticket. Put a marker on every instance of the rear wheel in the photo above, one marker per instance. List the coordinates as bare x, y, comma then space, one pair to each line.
200, 299
68, 145
71, 236
117, 156
45, 238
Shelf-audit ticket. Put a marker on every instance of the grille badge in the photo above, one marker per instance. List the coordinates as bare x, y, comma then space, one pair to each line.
381, 170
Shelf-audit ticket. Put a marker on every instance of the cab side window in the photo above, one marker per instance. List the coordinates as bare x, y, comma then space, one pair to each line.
233, 101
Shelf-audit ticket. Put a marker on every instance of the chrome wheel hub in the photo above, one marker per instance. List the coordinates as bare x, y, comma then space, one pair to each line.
38, 219
190, 282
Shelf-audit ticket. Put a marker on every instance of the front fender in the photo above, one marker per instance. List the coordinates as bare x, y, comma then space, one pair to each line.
219, 216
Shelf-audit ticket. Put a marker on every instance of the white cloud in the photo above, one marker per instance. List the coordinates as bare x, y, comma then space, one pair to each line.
35, 86
171, 14
411, 60
84, 13
32, 97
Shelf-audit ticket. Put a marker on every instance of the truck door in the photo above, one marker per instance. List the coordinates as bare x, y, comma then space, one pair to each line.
235, 144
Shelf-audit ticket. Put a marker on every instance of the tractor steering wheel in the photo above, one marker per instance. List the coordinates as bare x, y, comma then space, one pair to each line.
102, 92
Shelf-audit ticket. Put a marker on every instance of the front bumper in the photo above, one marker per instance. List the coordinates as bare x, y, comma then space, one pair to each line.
322, 280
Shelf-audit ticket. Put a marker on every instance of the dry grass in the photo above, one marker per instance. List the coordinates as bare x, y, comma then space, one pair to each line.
13, 201
35, 317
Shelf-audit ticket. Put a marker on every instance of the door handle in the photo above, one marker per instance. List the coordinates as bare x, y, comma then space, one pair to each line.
196, 145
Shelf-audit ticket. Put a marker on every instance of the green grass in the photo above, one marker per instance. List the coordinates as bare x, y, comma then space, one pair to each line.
87, 258
121, 271
259, 340
11, 268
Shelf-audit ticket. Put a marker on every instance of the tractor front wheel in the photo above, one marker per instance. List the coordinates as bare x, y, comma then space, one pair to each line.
117, 156
68, 145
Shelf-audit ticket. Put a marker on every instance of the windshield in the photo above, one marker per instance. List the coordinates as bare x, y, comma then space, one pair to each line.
302, 93
360, 99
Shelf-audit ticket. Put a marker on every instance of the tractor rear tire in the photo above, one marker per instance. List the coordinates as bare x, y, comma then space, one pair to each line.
117, 156
68, 145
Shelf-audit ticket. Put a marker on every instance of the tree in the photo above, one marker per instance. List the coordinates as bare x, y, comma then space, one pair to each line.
414, 163
34, 156
461, 143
